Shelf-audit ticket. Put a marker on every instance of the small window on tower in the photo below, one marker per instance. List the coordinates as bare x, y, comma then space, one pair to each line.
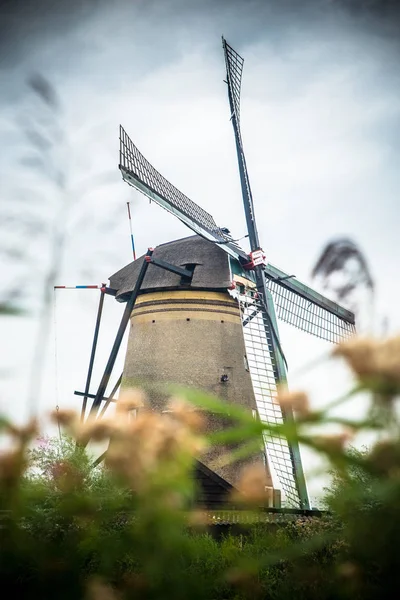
246, 363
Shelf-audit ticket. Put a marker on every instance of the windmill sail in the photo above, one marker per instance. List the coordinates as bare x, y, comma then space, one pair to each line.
139, 173
262, 366
234, 69
296, 303
268, 368
306, 309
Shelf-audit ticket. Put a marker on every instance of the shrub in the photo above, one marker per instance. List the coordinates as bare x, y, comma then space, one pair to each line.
128, 528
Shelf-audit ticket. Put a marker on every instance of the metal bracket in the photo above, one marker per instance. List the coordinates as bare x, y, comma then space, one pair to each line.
173, 268
109, 291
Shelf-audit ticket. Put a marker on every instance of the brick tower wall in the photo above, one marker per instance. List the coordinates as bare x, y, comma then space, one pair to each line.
192, 338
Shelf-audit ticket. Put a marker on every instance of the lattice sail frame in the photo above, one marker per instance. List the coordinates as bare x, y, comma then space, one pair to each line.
134, 161
302, 307
296, 303
138, 172
261, 366
234, 69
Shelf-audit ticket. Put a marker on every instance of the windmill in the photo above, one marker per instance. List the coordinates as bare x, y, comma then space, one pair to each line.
261, 292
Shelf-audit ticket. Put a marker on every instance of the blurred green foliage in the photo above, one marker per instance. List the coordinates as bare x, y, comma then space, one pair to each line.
130, 529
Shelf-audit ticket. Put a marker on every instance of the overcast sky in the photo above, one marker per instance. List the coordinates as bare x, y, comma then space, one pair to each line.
320, 123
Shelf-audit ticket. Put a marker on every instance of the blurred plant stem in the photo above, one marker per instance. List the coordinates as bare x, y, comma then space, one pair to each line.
48, 141
45, 315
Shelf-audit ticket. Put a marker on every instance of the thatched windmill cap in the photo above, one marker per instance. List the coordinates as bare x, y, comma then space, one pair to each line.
211, 271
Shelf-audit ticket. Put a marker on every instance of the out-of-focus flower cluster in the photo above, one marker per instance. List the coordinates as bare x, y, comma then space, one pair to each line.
296, 401
13, 460
373, 360
143, 445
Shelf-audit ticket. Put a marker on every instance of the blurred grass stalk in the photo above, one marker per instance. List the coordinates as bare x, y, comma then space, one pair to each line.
345, 276
44, 133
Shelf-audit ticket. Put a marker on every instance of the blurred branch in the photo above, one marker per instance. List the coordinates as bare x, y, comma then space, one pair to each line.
344, 272
9, 309
336, 256
44, 90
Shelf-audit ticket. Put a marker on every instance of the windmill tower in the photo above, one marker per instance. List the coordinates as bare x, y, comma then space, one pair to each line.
188, 330
203, 311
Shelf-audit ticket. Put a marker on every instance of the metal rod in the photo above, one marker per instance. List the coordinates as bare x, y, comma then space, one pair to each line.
93, 352
130, 225
80, 287
102, 287
111, 396
76, 393
120, 333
